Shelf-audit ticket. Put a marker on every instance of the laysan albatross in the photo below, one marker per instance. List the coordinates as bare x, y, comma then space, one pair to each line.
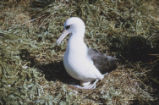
82, 63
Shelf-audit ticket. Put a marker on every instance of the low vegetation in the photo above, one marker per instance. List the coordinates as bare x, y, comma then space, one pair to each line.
31, 69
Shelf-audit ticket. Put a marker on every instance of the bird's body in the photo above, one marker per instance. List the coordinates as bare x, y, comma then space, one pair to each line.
77, 62
80, 61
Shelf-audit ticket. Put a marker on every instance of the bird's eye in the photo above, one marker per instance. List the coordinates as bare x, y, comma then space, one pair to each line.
67, 27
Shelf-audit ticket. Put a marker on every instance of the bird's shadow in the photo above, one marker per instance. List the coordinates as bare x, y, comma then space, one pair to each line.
55, 71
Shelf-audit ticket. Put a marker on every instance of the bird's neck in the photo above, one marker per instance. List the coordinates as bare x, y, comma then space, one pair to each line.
76, 44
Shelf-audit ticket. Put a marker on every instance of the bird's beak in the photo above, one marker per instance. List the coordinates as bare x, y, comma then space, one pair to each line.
63, 35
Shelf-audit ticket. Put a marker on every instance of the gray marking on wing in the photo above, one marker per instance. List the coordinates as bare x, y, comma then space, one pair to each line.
103, 62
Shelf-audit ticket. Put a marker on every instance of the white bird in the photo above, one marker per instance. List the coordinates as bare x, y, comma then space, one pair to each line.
81, 62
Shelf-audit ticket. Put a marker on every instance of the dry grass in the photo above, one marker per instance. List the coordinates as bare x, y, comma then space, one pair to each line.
31, 70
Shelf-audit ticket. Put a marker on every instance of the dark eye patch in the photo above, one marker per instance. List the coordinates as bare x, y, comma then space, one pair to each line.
67, 27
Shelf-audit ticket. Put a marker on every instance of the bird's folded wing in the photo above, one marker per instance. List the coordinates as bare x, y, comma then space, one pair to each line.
102, 62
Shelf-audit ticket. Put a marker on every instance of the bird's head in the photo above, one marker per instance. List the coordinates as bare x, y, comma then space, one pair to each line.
72, 26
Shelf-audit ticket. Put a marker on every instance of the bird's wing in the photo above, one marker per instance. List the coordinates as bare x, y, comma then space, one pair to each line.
103, 62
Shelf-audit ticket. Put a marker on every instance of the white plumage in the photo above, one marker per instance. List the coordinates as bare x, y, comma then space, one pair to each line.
77, 61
